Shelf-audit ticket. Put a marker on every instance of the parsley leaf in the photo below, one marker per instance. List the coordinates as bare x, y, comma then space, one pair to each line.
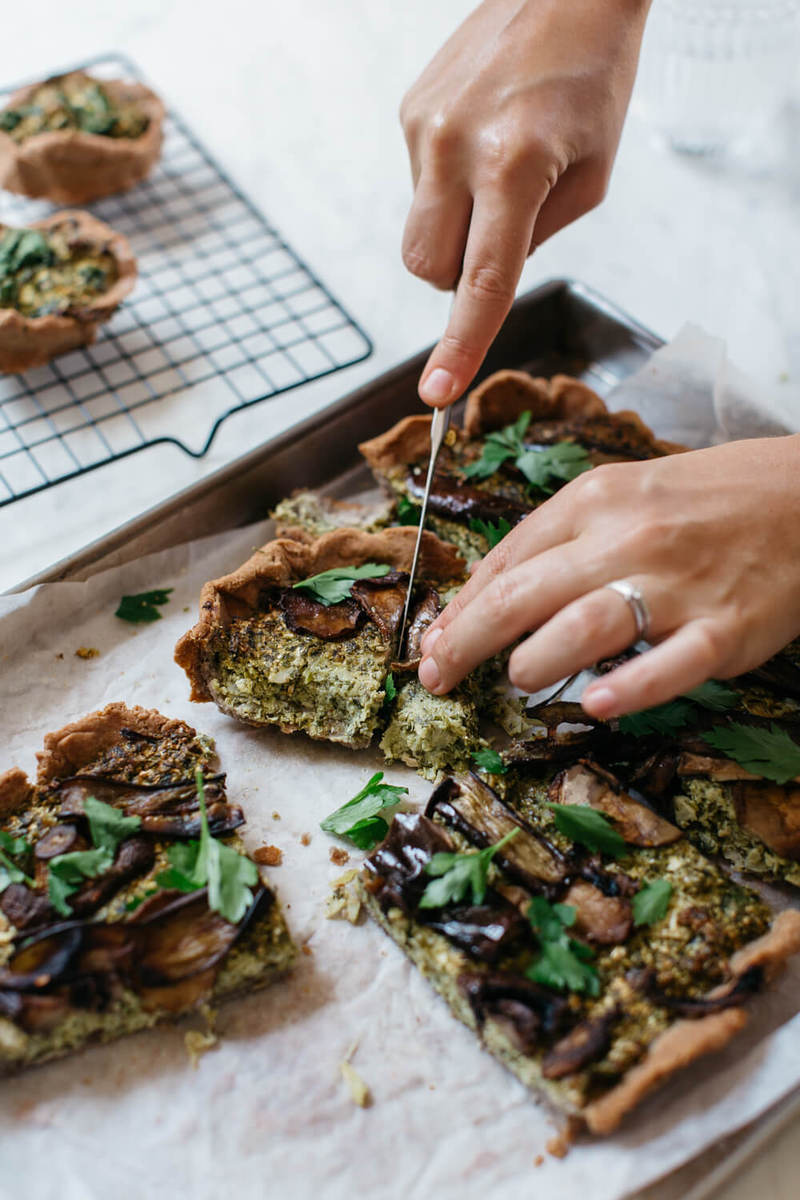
489, 760
66, 872
563, 461
389, 689
770, 753
456, 874
228, 874
143, 607
675, 714
335, 585
493, 533
13, 845
358, 819
651, 902
563, 962
10, 848
407, 511
589, 827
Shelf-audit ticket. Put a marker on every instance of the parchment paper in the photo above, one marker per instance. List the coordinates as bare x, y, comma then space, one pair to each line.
266, 1113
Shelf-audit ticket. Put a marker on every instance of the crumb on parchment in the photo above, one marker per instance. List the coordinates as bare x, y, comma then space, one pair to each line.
305, 839
87, 652
268, 856
306, 949
344, 903
538, 1160
198, 1042
276, 816
359, 1092
338, 856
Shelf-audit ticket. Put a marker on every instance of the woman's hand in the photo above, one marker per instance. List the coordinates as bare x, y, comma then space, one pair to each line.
512, 130
711, 538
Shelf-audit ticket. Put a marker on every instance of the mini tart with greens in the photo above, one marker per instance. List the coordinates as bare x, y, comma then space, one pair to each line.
270, 652
592, 974
100, 934
60, 278
567, 426
73, 139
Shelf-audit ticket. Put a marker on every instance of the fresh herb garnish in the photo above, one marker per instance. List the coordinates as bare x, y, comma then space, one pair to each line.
137, 901
228, 875
493, 533
389, 689
651, 902
407, 511
108, 827
563, 962
143, 607
456, 874
335, 585
562, 461
358, 819
11, 848
489, 760
675, 714
589, 827
770, 753
20, 248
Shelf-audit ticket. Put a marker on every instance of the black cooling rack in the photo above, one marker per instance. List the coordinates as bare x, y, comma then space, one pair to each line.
224, 315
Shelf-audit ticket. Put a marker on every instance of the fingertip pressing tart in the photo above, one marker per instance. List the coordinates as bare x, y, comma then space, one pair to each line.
60, 278
72, 139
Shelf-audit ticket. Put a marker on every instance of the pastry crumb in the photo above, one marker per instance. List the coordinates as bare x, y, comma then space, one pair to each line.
276, 816
60, 655
197, 1043
338, 856
344, 903
559, 1145
87, 652
359, 1092
268, 856
305, 839
306, 949
538, 1160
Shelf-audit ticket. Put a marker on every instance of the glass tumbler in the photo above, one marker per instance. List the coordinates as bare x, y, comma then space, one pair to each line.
714, 74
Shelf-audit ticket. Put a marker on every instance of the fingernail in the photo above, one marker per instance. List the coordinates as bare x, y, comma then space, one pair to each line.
429, 675
602, 701
430, 640
437, 386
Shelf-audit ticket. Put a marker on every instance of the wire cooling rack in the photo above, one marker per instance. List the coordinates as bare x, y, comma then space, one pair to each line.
224, 315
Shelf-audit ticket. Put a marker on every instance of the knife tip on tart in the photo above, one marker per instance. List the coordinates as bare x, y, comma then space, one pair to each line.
60, 279
72, 138
126, 897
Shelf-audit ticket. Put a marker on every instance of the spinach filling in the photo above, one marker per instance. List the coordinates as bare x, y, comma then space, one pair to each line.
52, 273
73, 103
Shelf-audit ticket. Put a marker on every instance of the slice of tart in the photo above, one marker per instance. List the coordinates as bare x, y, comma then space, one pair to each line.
522, 438
72, 139
109, 922
593, 972
304, 636
60, 279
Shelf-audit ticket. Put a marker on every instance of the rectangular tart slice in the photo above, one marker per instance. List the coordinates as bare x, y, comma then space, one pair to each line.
107, 924
592, 974
521, 440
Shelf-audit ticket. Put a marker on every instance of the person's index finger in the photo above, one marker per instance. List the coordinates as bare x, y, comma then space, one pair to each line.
497, 245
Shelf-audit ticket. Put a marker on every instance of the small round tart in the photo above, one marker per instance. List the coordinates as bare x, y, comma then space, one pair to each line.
60, 278
72, 139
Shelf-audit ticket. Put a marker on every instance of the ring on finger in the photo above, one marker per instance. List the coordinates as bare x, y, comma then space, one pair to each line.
636, 602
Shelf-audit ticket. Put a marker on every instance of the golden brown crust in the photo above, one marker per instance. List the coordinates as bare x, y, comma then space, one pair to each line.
81, 742
72, 167
406, 442
676, 1048
284, 561
31, 341
15, 791
689, 1040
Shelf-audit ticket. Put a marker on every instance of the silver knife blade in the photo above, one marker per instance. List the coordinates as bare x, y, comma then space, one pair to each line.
439, 426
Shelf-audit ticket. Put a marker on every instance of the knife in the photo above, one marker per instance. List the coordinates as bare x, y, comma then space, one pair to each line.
439, 426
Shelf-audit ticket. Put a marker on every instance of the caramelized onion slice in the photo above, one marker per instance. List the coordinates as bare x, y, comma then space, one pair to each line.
587, 1042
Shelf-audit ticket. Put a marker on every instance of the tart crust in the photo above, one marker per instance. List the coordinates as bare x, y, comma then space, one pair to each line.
32, 341
73, 167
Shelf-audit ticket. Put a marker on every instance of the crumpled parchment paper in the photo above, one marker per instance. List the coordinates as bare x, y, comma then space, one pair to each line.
266, 1112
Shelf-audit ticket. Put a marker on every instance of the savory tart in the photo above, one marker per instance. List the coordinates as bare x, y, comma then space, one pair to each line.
126, 897
593, 949
60, 278
522, 438
305, 636
73, 139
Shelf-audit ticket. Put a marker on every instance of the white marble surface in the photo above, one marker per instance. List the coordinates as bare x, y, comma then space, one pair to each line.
298, 101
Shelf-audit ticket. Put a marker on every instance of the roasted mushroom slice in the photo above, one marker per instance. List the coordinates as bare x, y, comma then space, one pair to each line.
73, 139
588, 784
60, 279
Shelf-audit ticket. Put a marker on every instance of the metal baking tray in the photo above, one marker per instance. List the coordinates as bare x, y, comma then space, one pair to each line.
560, 326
